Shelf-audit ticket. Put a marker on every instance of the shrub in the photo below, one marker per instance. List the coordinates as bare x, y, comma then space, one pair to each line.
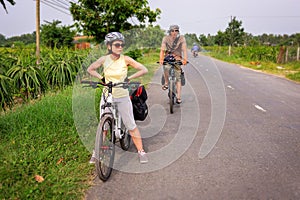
135, 54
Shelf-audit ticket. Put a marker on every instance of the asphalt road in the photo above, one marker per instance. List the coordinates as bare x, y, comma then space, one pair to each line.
235, 136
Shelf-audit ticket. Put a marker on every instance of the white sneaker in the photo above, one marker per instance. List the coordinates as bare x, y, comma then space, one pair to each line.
143, 156
93, 158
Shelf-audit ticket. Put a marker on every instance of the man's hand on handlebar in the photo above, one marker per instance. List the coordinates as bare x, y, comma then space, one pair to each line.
161, 61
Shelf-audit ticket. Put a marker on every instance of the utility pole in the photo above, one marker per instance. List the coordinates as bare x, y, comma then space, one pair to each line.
37, 32
230, 37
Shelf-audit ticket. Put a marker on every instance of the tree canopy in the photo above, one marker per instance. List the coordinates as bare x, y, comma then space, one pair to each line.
234, 32
24, 39
98, 17
191, 38
53, 35
12, 2
233, 35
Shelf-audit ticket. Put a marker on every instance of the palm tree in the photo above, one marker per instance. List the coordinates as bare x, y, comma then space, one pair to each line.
12, 2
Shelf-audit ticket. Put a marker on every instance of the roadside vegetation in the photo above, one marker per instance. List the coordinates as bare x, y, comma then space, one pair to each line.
269, 53
42, 155
261, 58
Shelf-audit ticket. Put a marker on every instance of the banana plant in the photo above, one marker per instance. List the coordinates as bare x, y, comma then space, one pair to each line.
27, 77
7, 91
6, 84
60, 67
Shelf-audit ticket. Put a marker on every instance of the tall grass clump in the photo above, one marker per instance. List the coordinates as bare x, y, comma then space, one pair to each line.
61, 66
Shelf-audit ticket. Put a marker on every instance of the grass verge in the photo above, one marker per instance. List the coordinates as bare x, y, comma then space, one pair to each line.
40, 140
148, 59
290, 70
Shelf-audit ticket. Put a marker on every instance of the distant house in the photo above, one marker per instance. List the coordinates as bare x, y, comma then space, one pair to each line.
82, 42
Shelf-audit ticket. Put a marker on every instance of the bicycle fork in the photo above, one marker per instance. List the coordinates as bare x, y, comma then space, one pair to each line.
172, 79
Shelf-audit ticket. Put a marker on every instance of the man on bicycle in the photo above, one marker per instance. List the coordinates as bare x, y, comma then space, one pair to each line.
195, 48
115, 68
173, 44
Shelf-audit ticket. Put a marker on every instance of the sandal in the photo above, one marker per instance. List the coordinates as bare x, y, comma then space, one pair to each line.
165, 87
178, 101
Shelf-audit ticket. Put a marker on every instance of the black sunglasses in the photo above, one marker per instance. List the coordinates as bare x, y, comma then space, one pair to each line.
175, 31
118, 45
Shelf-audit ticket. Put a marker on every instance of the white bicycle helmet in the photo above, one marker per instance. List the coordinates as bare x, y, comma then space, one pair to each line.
113, 36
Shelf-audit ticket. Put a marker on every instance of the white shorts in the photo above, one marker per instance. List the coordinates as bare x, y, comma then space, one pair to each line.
125, 109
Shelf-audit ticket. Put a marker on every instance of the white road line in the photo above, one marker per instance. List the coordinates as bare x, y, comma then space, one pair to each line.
230, 87
259, 108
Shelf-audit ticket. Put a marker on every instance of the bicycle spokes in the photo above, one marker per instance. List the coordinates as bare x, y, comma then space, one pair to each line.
105, 148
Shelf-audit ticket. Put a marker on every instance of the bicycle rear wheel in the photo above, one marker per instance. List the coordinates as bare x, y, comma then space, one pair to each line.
105, 147
126, 138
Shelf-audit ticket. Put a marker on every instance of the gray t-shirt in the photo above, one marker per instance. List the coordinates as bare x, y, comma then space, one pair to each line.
167, 44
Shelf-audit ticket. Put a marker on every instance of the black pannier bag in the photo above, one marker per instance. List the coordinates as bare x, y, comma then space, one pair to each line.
138, 99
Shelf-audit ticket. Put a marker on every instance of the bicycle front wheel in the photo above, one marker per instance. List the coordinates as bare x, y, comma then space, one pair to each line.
105, 147
171, 94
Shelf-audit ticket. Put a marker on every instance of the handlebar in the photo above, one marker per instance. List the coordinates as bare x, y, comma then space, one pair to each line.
110, 84
177, 62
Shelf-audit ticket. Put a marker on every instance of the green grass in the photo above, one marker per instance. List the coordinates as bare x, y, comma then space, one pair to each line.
40, 138
148, 59
34, 138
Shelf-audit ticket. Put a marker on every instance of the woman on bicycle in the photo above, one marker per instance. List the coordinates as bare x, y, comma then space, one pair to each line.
115, 67
173, 44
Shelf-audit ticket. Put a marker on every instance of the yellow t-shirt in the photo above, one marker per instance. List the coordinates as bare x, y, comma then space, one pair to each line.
116, 71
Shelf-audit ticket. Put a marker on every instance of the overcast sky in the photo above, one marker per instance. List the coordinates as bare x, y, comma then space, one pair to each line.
193, 16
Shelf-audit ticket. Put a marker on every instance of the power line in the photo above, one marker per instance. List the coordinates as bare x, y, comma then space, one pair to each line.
295, 16
55, 6
69, 1
72, 1
60, 5
62, 2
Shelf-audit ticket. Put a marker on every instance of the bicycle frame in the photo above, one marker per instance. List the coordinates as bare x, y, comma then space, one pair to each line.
172, 73
110, 127
113, 110
172, 82
108, 103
